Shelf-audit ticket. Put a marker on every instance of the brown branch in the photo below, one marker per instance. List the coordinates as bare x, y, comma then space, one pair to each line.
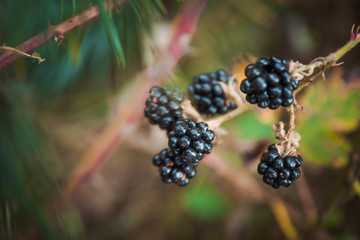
53, 33
132, 109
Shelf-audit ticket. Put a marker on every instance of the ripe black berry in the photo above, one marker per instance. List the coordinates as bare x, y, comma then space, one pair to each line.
163, 106
191, 140
269, 83
279, 171
207, 95
172, 169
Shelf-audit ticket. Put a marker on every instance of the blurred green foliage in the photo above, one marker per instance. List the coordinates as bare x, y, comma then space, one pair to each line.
85, 59
30, 171
29, 176
335, 220
206, 203
250, 127
332, 110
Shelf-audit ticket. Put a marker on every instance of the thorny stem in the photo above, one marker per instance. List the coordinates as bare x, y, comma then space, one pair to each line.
54, 33
318, 66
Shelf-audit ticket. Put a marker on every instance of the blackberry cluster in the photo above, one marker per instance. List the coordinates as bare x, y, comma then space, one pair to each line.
190, 140
163, 106
172, 169
269, 83
278, 171
207, 95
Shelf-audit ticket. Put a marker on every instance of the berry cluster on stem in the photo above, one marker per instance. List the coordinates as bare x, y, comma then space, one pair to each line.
270, 82
189, 140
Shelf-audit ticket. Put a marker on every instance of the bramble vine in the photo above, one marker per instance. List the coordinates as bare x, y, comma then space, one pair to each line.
283, 79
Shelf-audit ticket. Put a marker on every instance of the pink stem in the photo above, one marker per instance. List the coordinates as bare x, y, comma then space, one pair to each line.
52, 33
112, 135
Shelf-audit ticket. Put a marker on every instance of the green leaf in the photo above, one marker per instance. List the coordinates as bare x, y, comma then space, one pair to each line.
249, 127
112, 33
330, 111
337, 105
321, 144
206, 203
117, 9
109, 7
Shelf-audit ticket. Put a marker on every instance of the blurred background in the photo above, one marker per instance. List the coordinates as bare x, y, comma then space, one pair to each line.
59, 116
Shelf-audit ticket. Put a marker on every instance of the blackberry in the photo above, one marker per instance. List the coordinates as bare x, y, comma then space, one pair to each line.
279, 171
190, 140
206, 94
163, 106
269, 83
172, 169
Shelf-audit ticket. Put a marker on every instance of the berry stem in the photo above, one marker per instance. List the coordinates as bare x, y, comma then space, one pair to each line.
319, 65
230, 92
291, 130
216, 122
190, 112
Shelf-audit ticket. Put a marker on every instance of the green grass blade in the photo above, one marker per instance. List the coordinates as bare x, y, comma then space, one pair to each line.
161, 5
73, 7
109, 7
61, 9
112, 33
117, 9
135, 6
